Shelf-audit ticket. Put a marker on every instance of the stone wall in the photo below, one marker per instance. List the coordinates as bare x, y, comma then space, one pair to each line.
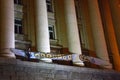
12, 69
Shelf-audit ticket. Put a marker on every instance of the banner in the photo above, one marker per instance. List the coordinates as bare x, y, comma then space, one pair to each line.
48, 57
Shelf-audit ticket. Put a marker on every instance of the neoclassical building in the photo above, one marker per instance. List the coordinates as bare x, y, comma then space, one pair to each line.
89, 27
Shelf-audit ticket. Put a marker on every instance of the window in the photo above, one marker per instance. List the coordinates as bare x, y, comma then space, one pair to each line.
51, 32
49, 5
18, 26
18, 1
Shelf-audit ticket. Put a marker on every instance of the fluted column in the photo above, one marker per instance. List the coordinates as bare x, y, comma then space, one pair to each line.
98, 33
72, 31
111, 34
42, 33
7, 38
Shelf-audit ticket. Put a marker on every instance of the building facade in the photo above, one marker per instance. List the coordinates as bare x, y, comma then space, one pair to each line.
62, 26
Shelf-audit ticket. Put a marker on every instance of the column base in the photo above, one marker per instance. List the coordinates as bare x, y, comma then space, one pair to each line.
6, 53
48, 60
78, 64
76, 60
108, 66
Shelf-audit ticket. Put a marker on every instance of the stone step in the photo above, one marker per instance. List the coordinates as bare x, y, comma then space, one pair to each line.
13, 69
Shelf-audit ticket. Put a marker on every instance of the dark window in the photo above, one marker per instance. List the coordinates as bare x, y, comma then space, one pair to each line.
18, 26
51, 32
16, 30
20, 30
18, 21
18, 2
49, 5
15, 1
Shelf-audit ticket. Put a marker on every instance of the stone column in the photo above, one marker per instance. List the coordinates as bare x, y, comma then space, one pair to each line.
98, 33
42, 33
7, 38
72, 31
115, 12
111, 34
